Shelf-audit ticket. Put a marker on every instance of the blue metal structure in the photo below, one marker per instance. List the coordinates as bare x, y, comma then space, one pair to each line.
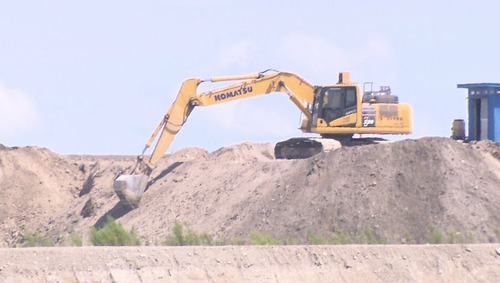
484, 110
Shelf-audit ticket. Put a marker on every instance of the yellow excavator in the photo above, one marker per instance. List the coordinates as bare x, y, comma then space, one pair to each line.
335, 112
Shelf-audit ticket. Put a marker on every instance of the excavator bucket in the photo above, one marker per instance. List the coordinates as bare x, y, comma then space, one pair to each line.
130, 188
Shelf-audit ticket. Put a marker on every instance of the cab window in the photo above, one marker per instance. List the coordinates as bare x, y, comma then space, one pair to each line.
350, 98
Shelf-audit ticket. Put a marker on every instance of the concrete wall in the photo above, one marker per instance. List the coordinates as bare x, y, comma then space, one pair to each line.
272, 264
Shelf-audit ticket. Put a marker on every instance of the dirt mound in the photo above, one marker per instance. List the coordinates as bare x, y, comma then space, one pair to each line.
34, 185
493, 148
245, 152
401, 192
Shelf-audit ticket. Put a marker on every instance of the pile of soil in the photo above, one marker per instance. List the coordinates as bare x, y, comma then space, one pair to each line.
400, 192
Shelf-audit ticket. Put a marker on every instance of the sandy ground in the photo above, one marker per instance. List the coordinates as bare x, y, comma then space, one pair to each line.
407, 192
351, 263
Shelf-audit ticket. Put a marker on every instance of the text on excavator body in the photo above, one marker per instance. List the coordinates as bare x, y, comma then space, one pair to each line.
241, 91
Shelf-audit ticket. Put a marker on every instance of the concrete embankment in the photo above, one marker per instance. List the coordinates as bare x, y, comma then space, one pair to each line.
351, 263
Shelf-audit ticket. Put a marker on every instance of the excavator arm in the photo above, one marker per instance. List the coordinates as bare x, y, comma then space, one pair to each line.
129, 188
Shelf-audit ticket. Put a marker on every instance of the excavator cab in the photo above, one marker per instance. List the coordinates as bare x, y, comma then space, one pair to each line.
336, 108
332, 103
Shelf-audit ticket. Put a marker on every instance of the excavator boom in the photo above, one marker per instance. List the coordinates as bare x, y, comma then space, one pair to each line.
300, 92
